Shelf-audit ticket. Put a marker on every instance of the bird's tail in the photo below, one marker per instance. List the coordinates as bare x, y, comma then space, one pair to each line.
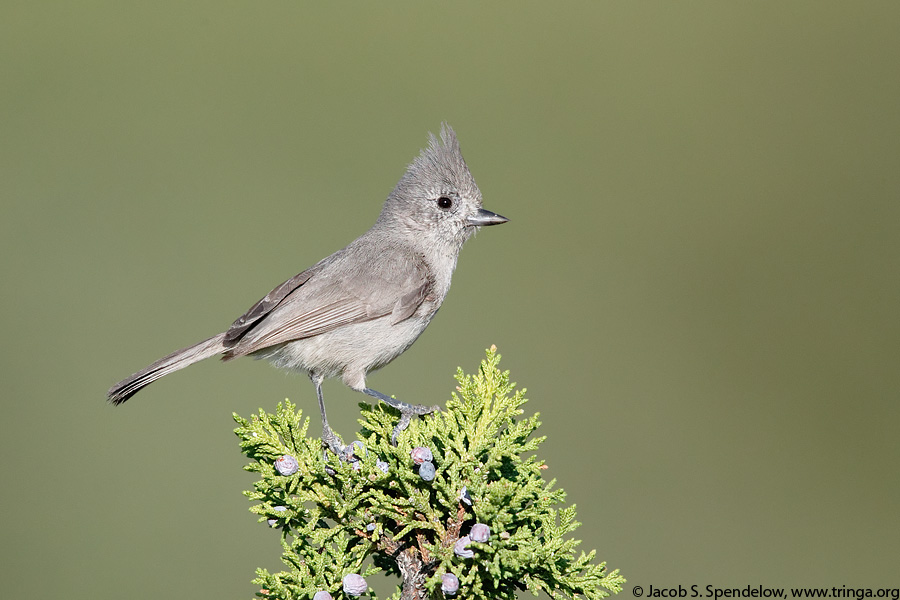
127, 388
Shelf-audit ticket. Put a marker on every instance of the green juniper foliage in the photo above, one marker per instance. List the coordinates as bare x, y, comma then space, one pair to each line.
340, 518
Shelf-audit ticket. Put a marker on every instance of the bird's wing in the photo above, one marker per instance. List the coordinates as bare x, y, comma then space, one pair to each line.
320, 304
265, 306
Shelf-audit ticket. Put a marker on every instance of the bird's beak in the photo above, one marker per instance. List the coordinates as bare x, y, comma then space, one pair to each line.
485, 217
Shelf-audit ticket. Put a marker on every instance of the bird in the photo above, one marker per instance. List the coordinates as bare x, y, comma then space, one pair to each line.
360, 308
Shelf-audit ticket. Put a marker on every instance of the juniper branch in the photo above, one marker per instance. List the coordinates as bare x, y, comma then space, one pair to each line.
385, 512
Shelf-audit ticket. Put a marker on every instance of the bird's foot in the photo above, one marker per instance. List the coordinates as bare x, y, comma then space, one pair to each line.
332, 441
351, 453
407, 412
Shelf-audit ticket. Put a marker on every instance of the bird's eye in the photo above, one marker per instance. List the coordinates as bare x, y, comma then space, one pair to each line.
444, 202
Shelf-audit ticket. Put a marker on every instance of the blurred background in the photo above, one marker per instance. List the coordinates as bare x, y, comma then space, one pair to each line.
699, 285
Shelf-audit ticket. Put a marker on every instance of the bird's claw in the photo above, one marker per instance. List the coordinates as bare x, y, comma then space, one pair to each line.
407, 412
331, 441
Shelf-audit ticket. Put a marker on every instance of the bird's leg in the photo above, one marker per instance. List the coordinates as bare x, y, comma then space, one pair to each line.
329, 438
407, 411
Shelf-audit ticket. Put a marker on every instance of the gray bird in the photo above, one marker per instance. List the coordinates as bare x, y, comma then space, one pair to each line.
361, 307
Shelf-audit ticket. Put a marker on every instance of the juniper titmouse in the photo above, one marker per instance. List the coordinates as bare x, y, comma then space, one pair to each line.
361, 307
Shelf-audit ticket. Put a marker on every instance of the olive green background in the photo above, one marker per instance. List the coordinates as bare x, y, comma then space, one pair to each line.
699, 285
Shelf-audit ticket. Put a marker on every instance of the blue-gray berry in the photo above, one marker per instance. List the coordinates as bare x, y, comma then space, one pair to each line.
461, 548
449, 584
421, 454
383, 466
355, 585
464, 496
480, 532
322, 595
370, 527
287, 465
274, 522
426, 471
